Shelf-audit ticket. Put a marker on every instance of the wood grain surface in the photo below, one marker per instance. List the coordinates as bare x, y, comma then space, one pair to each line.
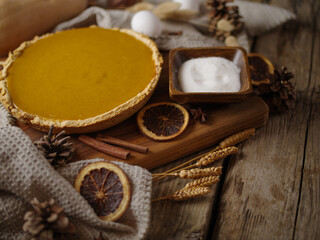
307, 224
271, 190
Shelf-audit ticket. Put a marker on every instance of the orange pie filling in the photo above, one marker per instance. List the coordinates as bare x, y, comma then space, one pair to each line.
82, 73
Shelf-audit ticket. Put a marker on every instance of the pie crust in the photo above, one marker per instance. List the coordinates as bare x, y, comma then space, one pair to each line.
96, 123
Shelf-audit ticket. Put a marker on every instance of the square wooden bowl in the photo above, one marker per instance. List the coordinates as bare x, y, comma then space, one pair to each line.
235, 54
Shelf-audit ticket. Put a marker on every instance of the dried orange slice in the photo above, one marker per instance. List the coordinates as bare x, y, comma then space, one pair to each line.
260, 68
163, 121
106, 188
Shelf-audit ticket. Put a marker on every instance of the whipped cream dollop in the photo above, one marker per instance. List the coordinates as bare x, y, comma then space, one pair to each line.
209, 74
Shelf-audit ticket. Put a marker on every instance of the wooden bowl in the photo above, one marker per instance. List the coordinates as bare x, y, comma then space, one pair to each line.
235, 54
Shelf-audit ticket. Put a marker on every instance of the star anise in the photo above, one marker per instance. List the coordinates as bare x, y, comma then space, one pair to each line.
198, 114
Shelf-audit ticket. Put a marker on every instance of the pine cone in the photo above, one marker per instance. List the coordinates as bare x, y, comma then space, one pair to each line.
57, 149
219, 10
46, 222
280, 93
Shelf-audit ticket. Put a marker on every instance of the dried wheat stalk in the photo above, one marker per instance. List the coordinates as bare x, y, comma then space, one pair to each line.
198, 173
203, 182
216, 155
237, 138
224, 149
206, 159
186, 193
179, 167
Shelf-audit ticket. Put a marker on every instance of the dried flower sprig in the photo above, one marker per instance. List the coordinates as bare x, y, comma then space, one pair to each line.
203, 182
185, 194
237, 138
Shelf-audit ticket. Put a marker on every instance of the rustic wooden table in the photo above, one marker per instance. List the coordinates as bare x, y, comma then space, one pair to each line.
271, 189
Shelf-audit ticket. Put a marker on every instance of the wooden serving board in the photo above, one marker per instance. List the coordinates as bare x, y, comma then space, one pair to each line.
222, 121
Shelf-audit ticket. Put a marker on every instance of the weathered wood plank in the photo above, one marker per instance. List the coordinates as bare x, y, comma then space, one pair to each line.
261, 191
308, 218
180, 220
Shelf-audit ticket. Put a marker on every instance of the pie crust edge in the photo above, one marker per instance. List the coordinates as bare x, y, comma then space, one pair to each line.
102, 121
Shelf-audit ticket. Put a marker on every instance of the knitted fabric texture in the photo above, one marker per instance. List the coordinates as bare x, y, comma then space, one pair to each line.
26, 174
258, 18
190, 37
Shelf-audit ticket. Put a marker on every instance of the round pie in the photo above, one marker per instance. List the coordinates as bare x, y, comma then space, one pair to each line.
80, 80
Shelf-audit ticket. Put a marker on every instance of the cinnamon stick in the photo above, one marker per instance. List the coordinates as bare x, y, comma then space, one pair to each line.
103, 147
122, 143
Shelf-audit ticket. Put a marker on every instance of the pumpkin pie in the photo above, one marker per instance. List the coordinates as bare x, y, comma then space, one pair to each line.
80, 80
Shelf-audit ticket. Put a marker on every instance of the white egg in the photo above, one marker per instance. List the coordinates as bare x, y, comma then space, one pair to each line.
147, 23
192, 5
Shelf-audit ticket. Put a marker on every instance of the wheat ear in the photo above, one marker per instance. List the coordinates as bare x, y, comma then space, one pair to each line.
222, 153
171, 170
158, 176
185, 193
203, 182
198, 173
237, 138
209, 158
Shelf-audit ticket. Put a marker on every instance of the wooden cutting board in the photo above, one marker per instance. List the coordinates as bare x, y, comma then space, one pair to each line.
222, 121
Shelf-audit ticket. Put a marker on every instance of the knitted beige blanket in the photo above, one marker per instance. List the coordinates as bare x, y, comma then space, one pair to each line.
26, 174
258, 18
